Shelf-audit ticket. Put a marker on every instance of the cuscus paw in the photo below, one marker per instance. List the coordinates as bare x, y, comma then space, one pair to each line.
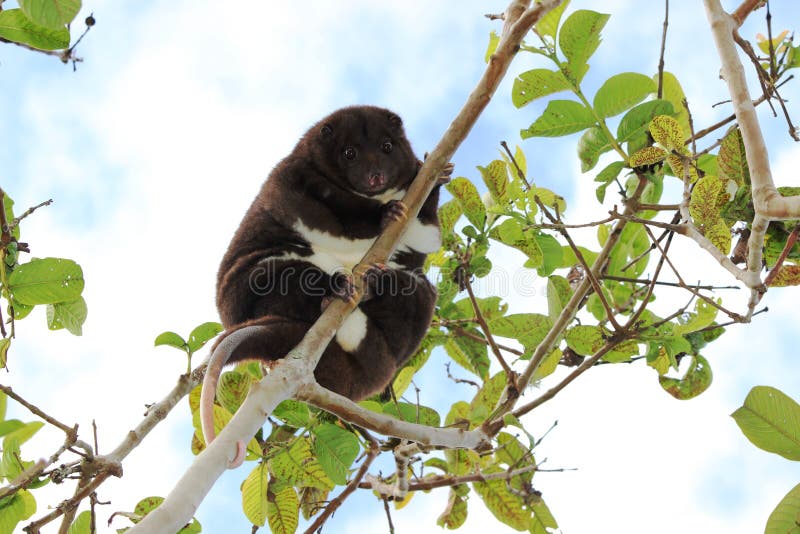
371, 275
444, 175
394, 210
342, 288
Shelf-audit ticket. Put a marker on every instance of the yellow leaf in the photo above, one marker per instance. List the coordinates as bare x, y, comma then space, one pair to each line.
647, 156
668, 133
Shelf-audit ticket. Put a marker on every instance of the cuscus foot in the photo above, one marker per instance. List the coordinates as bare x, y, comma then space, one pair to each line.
394, 210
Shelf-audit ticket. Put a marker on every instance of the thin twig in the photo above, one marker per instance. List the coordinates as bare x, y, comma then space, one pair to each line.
69, 431
488, 333
663, 49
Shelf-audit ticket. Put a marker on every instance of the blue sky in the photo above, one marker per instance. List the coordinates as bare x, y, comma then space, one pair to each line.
154, 148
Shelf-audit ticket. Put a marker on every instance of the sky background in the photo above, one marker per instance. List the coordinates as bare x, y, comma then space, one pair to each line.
156, 146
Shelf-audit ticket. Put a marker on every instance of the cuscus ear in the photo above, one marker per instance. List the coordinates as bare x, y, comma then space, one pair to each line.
395, 120
326, 130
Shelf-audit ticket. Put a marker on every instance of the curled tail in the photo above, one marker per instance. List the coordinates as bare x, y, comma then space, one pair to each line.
246, 342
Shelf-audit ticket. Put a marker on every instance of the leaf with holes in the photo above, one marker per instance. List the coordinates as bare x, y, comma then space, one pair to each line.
46, 280
537, 83
560, 117
336, 449
694, 382
202, 334
770, 419
622, 92
70, 315
578, 40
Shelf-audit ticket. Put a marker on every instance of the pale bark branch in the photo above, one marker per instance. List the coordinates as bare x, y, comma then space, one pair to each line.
297, 367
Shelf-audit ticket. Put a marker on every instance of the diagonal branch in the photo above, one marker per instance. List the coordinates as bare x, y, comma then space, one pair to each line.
297, 368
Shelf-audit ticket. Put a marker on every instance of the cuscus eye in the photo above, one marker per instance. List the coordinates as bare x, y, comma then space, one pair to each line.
387, 147
350, 153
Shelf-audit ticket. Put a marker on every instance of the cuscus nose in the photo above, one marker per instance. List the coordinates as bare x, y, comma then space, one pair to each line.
376, 180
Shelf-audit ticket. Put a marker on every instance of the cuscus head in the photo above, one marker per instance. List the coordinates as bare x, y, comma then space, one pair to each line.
364, 149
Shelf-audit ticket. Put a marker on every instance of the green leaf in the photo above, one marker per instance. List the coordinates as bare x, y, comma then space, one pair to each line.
621, 92
770, 419
622, 352
15, 508
9, 426
455, 513
495, 176
646, 156
202, 333
254, 495
511, 232
449, 213
46, 281
232, 390
283, 511
785, 518
558, 294
552, 253
537, 83
503, 504
69, 315
469, 354
549, 364
543, 519
548, 24
560, 117
695, 381
704, 315
607, 175
412, 413
24, 432
585, 340
5, 344
3, 406
488, 396
494, 40
672, 92
52, 14
8, 206
578, 40
592, 144
292, 412
336, 449
82, 524
171, 339
732, 160
528, 328
637, 121
15, 26
297, 466
403, 380
467, 195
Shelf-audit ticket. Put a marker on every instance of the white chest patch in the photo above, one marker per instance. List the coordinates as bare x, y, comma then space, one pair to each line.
421, 237
353, 331
332, 253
